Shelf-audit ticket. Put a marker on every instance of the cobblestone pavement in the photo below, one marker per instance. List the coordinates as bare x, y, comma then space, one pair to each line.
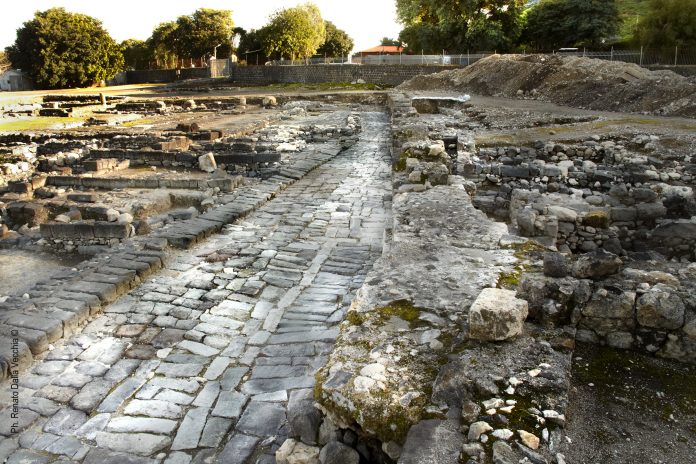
199, 363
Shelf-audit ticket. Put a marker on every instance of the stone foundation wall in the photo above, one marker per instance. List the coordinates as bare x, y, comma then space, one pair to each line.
111, 183
391, 75
85, 234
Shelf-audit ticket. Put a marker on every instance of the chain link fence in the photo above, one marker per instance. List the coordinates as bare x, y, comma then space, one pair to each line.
677, 56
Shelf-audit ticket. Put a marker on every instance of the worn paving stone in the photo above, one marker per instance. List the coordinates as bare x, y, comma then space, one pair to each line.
153, 408
190, 430
142, 444
238, 449
91, 395
215, 430
65, 422
230, 404
120, 394
128, 424
262, 419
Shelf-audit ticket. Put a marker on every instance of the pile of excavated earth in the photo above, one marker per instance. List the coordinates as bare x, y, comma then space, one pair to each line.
568, 80
392, 278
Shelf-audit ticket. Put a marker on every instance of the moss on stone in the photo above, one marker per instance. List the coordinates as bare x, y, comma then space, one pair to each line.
510, 280
355, 318
597, 219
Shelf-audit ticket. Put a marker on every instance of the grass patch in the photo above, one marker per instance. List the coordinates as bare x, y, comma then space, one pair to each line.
39, 123
139, 122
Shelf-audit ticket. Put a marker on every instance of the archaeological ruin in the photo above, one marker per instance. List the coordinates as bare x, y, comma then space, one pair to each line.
476, 266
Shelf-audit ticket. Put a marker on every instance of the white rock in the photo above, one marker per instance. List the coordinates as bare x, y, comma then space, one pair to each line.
503, 434
364, 384
497, 315
269, 101
528, 439
112, 215
125, 218
207, 163
477, 429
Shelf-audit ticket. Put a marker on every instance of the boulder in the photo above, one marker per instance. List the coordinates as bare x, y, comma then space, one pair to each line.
660, 308
563, 214
269, 101
503, 454
497, 314
555, 265
207, 163
596, 264
295, 452
432, 441
112, 215
304, 419
436, 173
337, 453
610, 303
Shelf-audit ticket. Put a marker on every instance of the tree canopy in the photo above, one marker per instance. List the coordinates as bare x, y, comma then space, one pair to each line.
436, 25
669, 23
294, 32
58, 49
199, 33
4, 61
136, 53
163, 44
566, 23
386, 41
337, 42
251, 46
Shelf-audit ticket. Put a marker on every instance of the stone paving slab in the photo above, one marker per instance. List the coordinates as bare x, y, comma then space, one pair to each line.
196, 344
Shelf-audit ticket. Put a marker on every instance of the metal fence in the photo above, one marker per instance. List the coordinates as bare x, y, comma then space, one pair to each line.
677, 56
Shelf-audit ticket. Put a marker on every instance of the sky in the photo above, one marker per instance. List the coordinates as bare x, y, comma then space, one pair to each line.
366, 21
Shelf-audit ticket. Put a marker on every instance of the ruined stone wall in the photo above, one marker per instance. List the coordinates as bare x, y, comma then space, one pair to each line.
391, 75
372, 74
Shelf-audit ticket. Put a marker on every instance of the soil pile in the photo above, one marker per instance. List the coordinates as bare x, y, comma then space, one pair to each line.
571, 81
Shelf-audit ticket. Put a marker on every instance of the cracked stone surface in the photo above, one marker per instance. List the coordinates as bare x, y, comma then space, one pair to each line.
199, 362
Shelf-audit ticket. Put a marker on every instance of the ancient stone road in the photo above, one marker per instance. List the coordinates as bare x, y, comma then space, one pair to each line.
200, 363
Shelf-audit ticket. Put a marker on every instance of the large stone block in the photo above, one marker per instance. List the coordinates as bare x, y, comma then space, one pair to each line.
497, 315
660, 308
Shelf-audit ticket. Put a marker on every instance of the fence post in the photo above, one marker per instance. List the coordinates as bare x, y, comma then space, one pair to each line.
641, 55
584, 51
468, 58
676, 54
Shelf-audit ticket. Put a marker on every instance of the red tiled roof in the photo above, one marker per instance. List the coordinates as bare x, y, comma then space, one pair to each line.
386, 49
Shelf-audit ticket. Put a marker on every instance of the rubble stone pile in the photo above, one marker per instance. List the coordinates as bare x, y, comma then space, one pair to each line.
568, 80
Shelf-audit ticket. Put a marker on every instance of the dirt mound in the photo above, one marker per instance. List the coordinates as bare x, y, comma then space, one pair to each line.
572, 81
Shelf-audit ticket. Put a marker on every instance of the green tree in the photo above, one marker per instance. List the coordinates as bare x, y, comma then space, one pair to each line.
58, 49
136, 54
199, 33
294, 32
164, 45
4, 62
456, 25
669, 23
567, 23
337, 42
251, 46
387, 42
